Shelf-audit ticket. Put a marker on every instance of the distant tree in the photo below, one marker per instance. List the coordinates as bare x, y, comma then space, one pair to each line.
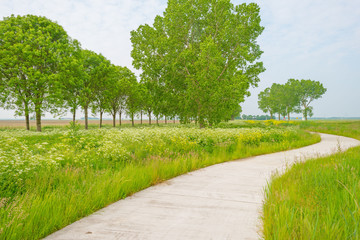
148, 99
72, 77
133, 100
263, 117
119, 91
307, 91
142, 91
278, 93
266, 104
33, 50
122, 107
290, 98
102, 86
93, 68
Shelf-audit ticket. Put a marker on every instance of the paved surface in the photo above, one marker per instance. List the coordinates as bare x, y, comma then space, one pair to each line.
218, 202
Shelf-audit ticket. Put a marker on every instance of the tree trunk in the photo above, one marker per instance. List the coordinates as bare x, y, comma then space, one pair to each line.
174, 120
74, 114
120, 118
101, 114
201, 122
157, 119
86, 117
279, 117
165, 120
141, 117
288, 116
132, 119
149, 117
38, 118
114, 119
27, 116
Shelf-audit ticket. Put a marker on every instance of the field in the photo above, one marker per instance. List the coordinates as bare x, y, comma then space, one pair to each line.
45, 123
53, 178
318, 199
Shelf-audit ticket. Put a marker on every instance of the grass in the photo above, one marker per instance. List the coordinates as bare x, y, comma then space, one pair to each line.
56, 177
317, 199
348, 128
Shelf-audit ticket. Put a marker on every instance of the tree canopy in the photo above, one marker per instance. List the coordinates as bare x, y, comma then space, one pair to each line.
197, 63
203, 55
294, 96
33, 49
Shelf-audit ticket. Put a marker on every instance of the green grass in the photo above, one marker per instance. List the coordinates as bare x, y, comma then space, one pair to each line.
348, 128
54, 178
318, 199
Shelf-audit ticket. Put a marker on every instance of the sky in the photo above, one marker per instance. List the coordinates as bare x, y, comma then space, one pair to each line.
317, 40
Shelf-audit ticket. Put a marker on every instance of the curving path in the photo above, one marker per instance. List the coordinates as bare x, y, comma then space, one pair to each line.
218, 202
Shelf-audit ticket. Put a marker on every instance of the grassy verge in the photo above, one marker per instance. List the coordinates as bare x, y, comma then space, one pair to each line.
317, 199
54, 178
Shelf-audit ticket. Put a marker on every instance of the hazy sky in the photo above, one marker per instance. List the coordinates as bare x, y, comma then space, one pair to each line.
318, 40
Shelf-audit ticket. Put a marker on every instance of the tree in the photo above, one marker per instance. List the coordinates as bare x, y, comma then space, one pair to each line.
277, 93
119, 91
32, 52
92, 65
72, 77
290, 98
133, 100
236, 113
265, 103
204, 54
272, 100
103, 83
148, 99
307, 91
294, 96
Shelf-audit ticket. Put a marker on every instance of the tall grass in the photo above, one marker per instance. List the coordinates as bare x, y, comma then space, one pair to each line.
318, 199
54, 178
348, 128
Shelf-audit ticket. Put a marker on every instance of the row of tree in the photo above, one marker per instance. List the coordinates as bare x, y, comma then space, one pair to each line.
197, 62
43, 69
295, 96
254, 117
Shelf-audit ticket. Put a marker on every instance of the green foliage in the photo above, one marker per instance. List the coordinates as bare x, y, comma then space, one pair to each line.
308, 91
294, 96
72, 76
121, 79
95, 83
56, 177
199, 59
265, 103
43, 69
32, 52
73, 133
134, 97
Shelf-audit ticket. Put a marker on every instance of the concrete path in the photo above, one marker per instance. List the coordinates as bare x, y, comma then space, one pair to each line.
218, 202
